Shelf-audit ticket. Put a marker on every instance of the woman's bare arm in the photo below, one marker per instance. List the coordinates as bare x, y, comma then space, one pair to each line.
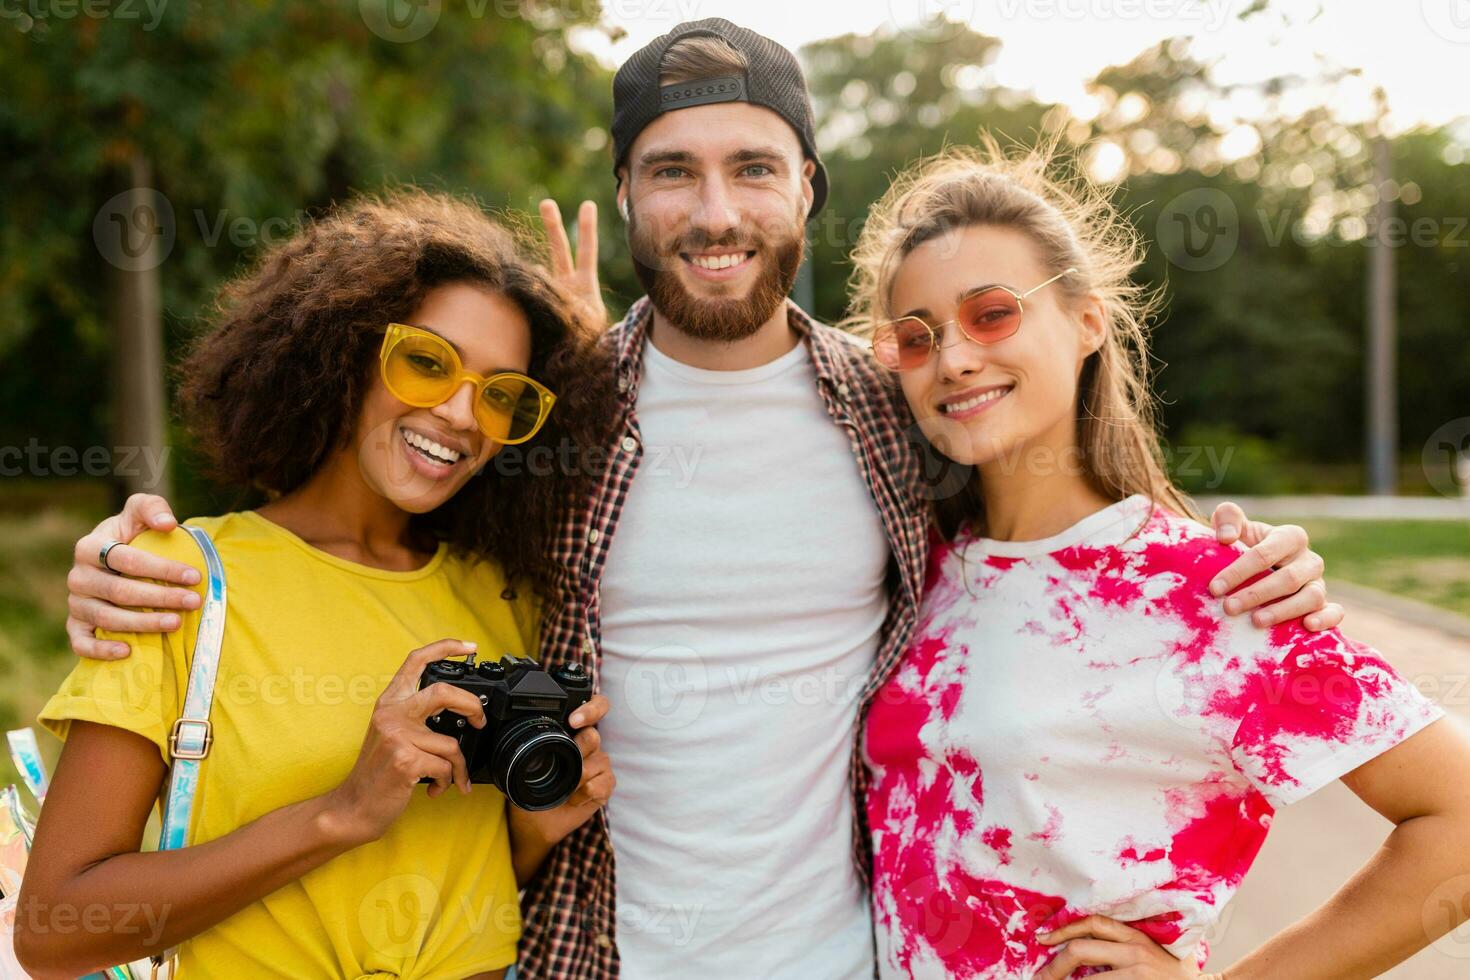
1415, 889
91, 899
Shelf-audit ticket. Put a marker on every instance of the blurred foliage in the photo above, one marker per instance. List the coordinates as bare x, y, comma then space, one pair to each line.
1220, 459
261, 112
34, 654
255, 115
1269, 340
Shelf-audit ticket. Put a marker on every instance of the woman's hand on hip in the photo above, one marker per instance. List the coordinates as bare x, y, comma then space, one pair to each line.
1127, 953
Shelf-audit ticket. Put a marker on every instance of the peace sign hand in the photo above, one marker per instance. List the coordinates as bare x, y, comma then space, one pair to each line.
578, 278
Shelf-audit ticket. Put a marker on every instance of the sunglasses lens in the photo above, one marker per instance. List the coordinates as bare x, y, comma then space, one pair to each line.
990, 316
424, 371
419, 371
902, 345
509, 409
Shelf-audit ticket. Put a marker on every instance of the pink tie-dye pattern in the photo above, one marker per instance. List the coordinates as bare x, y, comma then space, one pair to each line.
975, 911
968, 921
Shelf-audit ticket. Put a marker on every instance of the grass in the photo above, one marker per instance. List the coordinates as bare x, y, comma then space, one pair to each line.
34, 653
1424, 560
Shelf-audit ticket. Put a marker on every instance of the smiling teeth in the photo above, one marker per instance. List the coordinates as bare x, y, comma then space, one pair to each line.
430, 448
719, 261
977, 401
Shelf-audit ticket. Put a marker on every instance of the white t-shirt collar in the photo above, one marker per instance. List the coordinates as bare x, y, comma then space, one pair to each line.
1111, 525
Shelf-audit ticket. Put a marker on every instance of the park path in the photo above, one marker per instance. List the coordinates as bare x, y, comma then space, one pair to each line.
1283, 507
1317, 845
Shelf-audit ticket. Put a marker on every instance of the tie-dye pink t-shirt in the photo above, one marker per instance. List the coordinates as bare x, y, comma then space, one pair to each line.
1078, 728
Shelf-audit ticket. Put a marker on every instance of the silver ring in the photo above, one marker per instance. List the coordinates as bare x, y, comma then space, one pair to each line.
102, 556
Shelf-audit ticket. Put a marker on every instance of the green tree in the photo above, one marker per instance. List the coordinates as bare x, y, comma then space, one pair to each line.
1263, 338
243, 119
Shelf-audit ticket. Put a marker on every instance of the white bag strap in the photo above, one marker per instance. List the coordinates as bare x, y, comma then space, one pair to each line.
192, 736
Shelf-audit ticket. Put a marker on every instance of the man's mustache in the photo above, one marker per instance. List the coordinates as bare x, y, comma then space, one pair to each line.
696, 241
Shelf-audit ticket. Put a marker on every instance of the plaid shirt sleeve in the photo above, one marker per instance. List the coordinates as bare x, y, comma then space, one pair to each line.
568, 908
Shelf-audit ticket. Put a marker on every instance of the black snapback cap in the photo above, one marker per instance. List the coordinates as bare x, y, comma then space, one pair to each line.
772, 79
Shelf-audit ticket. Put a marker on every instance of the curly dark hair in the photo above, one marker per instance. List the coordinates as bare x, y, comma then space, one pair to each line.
276, 386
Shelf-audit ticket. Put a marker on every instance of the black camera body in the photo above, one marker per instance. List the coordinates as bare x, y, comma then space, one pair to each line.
525, 749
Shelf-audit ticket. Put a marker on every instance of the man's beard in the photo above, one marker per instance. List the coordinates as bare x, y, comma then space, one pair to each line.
729, 319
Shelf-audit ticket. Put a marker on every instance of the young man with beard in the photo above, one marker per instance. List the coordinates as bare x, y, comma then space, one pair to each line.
747, 569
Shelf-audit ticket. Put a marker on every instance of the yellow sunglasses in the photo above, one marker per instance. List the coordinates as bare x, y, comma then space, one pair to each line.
422, 369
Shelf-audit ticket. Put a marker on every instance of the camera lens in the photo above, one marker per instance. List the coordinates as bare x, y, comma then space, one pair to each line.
536, 764
538, 768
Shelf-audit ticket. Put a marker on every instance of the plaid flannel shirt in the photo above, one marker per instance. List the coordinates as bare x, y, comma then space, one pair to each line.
568, 908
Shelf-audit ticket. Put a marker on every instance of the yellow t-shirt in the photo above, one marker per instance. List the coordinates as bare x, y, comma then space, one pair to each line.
310, 642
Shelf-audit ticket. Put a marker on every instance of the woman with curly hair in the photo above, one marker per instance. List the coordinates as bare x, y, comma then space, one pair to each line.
370, 378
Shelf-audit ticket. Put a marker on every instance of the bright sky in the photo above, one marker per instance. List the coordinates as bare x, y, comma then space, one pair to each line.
1417, 50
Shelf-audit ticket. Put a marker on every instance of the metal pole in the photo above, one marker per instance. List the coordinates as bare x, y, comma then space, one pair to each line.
1382, 365
139, 414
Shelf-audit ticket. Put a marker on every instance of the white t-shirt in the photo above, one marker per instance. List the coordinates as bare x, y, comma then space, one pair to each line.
1078, 728
741, 604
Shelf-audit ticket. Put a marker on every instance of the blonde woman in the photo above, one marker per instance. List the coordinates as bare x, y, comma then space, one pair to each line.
1079, 756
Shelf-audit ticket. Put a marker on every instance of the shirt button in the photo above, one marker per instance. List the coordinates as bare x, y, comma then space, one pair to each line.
604, 940
592, 536
586, 646
629, 444
622, 382
842, 391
